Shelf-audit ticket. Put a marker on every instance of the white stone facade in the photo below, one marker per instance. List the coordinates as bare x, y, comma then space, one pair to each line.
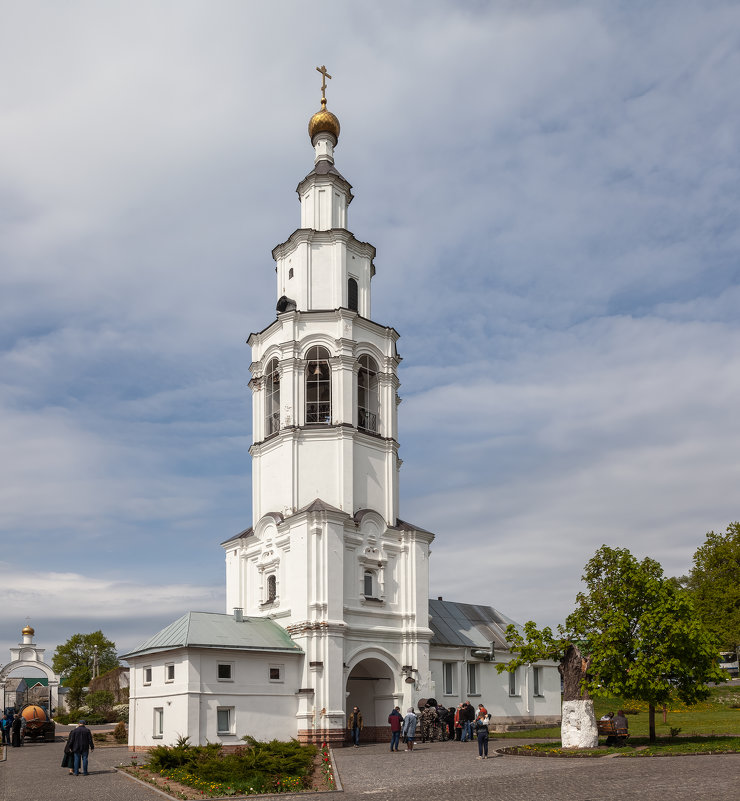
327, 557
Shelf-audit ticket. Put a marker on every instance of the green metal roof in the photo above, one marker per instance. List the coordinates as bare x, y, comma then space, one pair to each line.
214, 630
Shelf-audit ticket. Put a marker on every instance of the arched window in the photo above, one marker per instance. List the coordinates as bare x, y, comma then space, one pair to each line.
367, 395
318, 386
272, 398
352, 294
367, 584
271, 588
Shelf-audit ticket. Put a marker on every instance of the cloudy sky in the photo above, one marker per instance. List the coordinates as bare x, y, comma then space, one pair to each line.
553, 190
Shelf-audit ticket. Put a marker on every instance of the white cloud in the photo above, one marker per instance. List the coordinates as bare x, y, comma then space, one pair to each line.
553, 190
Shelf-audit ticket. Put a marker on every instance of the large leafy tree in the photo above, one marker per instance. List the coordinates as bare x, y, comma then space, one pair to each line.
75, 659
714, 584
633, 633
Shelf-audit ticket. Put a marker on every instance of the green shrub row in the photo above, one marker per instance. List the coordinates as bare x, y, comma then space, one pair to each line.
273, 766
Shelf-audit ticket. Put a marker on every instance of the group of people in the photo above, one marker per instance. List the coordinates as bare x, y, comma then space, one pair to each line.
13, 729
434, 723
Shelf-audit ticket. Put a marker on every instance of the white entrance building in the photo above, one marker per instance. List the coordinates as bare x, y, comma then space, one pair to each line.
29, 655
328, 559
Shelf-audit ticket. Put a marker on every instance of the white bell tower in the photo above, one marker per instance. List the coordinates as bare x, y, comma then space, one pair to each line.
327, 556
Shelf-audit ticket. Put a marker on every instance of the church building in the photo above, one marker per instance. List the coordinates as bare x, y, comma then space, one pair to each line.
327, 593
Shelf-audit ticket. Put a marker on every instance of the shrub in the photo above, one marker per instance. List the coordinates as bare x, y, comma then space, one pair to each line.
100, 736
121, 712
119, 733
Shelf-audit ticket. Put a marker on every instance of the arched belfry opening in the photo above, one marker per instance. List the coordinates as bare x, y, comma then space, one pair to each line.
371, 686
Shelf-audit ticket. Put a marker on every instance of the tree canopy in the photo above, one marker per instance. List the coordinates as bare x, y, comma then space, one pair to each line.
75, 658
714, 584
636, 631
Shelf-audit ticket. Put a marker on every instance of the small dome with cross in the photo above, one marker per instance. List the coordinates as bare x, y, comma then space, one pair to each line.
323, 121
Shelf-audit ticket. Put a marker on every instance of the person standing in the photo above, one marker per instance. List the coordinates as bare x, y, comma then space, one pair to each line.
354, 724
396, 722
409, 729
15, 739
6, 722
80, 743
468, 716
68, 760
24, 723
481, 732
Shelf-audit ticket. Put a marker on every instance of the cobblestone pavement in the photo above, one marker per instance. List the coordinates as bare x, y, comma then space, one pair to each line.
449, 771
433, 772
32, 773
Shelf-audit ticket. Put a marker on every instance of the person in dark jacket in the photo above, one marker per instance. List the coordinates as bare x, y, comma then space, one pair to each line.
80, 743
15, 739
468, 716
395, 719
354, 724
481, 732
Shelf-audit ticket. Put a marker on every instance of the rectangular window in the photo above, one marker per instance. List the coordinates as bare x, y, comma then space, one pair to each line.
147, 675
537, 681
472, 679
158, 722
225, 671
276, 672
513, 683
225, 720
367, 584
169, 673
448, 678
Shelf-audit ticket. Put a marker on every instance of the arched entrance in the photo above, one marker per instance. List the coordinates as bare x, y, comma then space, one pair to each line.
29, 657
371, 686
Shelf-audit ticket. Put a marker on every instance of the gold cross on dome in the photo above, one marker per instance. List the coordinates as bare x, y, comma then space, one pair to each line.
324, 76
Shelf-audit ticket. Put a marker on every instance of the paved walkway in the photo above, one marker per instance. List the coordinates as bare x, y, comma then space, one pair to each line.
32, 773
433, 772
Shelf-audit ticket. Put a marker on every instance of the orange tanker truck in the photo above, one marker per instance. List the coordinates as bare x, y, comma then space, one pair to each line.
38, 723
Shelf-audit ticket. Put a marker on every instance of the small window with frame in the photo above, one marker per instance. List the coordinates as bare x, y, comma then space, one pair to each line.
472, 669
225, 720
537, 682
275, 673
158, 729
169, 672
368, 584
271, 588
148, 675
514, 682
225, 671
448, 678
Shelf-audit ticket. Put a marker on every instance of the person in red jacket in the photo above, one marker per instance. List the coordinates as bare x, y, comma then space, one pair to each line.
395, 719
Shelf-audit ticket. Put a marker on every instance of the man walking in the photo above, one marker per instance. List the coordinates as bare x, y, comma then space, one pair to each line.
80, 742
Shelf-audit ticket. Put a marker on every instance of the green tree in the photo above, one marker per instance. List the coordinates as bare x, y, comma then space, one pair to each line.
75, 659
633, 633
714, 584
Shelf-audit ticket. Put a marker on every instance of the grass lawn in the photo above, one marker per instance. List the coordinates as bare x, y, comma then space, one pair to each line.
637, 747
713, 716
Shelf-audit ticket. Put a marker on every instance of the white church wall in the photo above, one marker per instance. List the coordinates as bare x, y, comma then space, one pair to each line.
508, 700
259, 699
369, 476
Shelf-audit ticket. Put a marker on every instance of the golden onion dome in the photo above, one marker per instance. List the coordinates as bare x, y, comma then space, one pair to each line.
27, 630
323, 121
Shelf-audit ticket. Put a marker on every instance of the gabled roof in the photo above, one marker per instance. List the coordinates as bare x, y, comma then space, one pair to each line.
468, 625
317, 505
214, 630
